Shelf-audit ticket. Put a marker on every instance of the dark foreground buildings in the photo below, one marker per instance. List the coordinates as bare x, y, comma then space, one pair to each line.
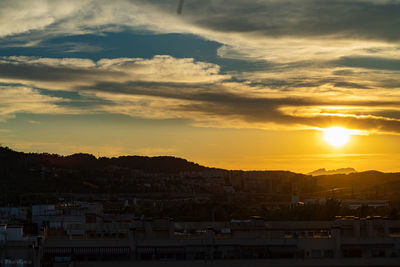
343, 242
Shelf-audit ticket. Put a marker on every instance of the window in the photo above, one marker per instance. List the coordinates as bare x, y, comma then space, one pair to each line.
328, 253
316, 253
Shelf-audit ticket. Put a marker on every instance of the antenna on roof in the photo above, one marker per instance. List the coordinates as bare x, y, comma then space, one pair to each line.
180, 6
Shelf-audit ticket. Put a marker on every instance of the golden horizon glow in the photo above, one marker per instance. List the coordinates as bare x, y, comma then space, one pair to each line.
337, 136
204, 86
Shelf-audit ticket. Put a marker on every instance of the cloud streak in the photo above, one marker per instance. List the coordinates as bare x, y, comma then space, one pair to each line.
302, 25
21, 99
330, 62
166, 87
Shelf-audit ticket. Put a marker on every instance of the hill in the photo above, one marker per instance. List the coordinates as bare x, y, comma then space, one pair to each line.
33, 173
13, 162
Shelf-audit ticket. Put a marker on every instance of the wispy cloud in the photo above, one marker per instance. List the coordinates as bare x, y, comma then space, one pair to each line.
165, 87
20, 99
330, 63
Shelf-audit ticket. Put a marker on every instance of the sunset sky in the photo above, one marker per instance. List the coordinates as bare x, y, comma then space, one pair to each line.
234, 84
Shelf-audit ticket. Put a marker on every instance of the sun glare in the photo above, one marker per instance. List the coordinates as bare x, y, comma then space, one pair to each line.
337, 136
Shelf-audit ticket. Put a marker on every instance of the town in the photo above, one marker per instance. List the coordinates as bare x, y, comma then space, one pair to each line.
82, 211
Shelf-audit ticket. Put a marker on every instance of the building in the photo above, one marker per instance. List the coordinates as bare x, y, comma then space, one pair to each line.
343, 242
17, 249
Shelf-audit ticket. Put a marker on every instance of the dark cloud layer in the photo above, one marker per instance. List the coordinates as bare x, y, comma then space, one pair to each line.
305, 18
212, 98
370, 63
40, 72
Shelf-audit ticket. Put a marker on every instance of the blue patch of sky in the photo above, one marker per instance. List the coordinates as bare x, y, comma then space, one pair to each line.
78, 100
132, 44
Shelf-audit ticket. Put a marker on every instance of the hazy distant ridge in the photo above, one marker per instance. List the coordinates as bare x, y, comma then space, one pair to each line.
324, 171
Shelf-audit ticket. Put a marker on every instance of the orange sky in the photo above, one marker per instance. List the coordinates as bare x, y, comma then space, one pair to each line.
232, 84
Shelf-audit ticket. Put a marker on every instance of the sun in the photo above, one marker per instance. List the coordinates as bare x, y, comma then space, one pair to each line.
337, 136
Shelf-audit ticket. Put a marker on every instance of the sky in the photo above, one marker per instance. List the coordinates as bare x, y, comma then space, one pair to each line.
226, 83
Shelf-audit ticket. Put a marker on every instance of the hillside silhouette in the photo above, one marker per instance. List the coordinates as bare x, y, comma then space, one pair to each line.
31, 173
12, 161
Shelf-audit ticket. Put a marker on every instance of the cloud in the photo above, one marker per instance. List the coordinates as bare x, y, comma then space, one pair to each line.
370, 63
285, 31
68, 73
33, 122
167, 87
229, 20
20, 99
26, 16
309, 34
307, 18
227, 109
